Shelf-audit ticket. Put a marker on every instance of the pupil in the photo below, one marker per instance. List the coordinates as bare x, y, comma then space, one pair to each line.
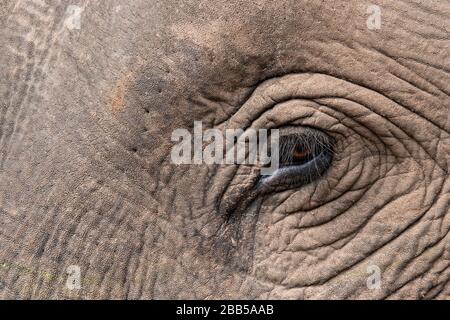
300, 153
296, 150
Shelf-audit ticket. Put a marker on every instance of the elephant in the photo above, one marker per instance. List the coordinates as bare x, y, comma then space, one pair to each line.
93, 207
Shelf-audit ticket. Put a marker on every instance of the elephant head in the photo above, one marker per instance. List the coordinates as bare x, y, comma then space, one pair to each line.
92, 204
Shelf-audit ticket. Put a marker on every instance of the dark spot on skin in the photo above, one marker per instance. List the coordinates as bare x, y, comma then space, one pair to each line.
118, 94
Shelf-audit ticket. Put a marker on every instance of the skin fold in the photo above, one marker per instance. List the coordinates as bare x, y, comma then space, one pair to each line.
86, 179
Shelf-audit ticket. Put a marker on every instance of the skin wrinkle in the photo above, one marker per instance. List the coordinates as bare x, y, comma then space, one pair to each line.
395, 60
289, 98
363, 223
331, 109
375, 135
81, 185
419, 274
423, 149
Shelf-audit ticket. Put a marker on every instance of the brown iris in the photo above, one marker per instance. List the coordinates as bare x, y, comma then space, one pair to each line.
300, 149
304, 157
301, 155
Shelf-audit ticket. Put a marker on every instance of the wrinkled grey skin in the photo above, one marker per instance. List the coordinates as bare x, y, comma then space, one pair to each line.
85, 173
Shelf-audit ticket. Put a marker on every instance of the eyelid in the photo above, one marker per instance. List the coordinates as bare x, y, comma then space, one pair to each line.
241, 193
291, 174
297, 175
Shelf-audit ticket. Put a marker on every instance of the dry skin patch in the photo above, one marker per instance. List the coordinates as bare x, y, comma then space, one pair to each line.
118, 97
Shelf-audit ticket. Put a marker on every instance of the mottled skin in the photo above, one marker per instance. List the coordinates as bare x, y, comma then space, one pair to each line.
86, 178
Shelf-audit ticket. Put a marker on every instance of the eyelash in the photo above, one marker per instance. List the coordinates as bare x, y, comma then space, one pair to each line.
286, 176
289, 174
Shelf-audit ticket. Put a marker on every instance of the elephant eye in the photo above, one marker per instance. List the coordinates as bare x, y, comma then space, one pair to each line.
303, 157
298, 153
